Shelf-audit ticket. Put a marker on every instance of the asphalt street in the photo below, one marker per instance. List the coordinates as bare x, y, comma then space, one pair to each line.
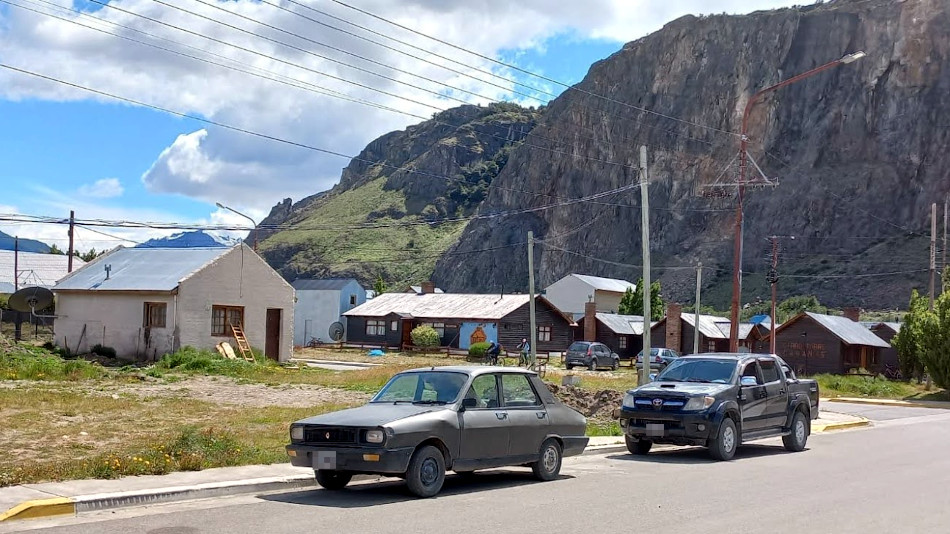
891, 477
879, 413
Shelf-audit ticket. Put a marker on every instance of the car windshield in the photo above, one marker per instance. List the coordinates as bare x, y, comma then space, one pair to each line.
653, 352
689, 370
422, 387
578, 347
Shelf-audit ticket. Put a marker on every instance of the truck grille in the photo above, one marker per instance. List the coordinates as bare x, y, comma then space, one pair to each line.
669, 404
331, 435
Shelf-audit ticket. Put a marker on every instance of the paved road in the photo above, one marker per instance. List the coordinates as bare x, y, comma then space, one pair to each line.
888, 478
880, 413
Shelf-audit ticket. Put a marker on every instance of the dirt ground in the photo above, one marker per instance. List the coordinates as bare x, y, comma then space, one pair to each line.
593, 404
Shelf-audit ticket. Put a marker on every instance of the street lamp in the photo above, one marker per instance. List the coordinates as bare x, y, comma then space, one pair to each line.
222, 206
743, 156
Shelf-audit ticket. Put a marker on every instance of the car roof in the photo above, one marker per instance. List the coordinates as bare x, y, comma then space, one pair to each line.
736, 356
473, 370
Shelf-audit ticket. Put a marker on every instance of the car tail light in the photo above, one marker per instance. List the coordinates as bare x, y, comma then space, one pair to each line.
658, 359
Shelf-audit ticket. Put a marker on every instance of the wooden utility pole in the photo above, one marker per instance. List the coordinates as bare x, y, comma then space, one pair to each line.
699, 285
72, 223
933, 251
645, 223
773, 279
533, 338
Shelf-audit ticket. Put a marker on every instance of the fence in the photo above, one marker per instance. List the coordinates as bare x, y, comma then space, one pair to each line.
32, 328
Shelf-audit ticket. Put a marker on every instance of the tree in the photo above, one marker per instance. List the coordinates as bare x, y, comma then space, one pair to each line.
792, 306
425, 336
53, 249
935, 341
909, 340
632, 301
379, 286
89, 256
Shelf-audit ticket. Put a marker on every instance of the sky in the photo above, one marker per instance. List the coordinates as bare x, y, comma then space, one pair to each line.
279, 68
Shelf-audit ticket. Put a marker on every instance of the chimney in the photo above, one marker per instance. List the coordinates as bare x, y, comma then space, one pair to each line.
590, 321
428, 287
674, 327
853, 313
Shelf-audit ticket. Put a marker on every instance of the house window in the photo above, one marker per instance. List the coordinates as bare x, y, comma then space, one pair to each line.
438, 327
544, 333
623, 342
154, 316
712, 346
352, 300
222, 317
394, 326
375, 328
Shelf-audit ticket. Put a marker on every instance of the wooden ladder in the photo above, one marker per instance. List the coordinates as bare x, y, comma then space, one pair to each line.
242, 343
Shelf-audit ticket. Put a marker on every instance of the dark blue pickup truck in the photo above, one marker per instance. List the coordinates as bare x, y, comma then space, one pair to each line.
720, 400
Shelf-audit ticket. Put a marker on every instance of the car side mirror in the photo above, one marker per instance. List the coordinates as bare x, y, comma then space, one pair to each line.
469, 402
748, 381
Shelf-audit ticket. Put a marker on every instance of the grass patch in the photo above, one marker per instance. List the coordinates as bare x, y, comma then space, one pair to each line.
597, 427
26, 362
874, 387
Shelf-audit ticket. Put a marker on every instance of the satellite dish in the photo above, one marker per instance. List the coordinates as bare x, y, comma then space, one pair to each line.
336, 331
30, 299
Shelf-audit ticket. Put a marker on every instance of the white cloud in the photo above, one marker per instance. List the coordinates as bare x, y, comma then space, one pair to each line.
104, 188
215, 164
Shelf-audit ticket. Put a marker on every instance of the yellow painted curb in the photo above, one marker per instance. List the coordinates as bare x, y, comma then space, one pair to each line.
839, 426
40, 508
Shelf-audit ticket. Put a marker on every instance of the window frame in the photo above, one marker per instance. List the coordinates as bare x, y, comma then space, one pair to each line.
544, 333
226, 309
376, 327
148, 308
762, 363
622, 342
504, 401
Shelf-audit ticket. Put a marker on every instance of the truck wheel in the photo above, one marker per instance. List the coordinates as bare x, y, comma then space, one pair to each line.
332, 480
795, 441
638, 447
426, 472
725, 444
593, 364
548, 465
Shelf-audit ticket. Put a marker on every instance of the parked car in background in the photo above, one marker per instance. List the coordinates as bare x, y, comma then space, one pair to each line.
592, 355
720, 400
659, 357
425, 422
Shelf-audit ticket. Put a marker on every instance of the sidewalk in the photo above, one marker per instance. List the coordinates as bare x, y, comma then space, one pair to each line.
894, 403
77, 496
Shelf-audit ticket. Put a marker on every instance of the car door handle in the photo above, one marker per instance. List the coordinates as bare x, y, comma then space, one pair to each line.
501, 415
542, 415
781, 392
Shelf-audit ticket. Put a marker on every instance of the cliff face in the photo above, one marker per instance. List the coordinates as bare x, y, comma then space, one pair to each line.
859, 152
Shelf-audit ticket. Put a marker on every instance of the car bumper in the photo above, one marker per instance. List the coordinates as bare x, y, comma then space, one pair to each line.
368, 460
574, 445
581, 362
673, 428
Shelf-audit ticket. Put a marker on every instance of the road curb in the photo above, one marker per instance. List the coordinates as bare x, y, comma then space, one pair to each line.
891, 403
604, 449
40, 508
827, 427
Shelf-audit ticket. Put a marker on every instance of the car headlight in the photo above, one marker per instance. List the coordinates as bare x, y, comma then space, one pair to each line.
296, 433
699, 403
628, 401
374, 436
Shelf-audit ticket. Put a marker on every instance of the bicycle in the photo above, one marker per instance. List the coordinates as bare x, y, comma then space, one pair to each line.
892, 372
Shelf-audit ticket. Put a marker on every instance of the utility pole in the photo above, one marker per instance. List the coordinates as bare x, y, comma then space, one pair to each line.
933, 251
773, 279
943, 272
699, 285
531, 305
645, 223
72, 224
16, 264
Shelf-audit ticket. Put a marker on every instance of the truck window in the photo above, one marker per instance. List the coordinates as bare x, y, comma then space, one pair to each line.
751, 370
769, 371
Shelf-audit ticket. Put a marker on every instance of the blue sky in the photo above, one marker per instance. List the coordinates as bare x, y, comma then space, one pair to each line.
63, 149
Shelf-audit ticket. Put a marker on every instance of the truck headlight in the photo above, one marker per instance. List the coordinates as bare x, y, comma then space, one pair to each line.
699, 403
374, 436
628, 401
296, 433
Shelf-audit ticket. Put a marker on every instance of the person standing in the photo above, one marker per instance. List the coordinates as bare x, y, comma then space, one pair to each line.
525, 349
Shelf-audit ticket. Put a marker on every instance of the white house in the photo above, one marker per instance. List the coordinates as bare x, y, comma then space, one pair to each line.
33, 269
570, 293
321, 303
145, 302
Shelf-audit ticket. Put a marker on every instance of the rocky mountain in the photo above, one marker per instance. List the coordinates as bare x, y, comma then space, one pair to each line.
7, 242
197, 238
859, 152
387, 216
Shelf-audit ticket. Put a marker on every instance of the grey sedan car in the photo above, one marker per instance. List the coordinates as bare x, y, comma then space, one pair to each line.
424, 422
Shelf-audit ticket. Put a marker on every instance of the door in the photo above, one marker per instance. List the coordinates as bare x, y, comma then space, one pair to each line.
406, 332
752, 399
485, 426
527, 416
777, 394
272, 334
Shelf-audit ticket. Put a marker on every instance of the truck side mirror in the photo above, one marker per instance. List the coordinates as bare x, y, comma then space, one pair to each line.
748, 381
469, 402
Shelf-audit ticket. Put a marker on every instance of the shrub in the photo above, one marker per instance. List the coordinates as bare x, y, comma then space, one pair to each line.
425, 337
478, 350
104, 351
35, 363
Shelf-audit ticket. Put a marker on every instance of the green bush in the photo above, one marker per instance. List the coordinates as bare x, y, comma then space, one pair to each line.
192, 360
425, 336
35, 363
104, 351
478, 350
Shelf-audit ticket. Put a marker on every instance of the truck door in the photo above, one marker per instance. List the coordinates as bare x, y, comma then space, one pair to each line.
776, 391
752, 398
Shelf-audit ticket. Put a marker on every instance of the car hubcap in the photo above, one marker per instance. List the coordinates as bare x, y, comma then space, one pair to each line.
550, 459
429, 472
729, 439
800, 431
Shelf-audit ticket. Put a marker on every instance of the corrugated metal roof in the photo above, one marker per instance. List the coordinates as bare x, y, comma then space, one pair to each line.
418, 290
140, 269
744, 329
708, 325
871, 325
605, 284
850, 332
441, 305
621, 324
34, 269
324, 284
637, 327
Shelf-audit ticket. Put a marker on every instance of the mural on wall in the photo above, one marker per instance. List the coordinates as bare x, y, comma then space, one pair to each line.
476, 333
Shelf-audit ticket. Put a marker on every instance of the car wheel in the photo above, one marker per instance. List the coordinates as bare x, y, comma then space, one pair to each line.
725, 444
549, 465
332, 480
426, 472
569, 367
593, 364
795, 441
616, 365
638, 447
